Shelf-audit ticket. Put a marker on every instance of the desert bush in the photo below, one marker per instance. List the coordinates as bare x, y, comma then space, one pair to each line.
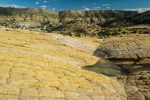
140, 32
80, 30
115, 33
77, 34
7, 29
62, 33
5, 25
124, 32
146, 32
48, 30
107, 34
101, 34
85, 34
134, 31
92, 34
119, 29
17, 26
68, 33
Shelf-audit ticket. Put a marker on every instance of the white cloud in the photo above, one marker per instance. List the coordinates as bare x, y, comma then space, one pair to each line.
43, 7
94, 3
117, 3
106, 5
12, 5
53, 8
96, 7
44, 1
36, 2
86, 9
140, 10
84, 6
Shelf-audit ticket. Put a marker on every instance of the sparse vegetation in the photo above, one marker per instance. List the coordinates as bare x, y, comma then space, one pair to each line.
71, 30
115, 34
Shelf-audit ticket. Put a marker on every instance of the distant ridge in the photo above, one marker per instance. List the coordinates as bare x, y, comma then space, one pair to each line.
136, 19
35, 16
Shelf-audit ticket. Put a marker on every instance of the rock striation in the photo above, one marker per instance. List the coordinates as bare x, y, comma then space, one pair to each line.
34, 17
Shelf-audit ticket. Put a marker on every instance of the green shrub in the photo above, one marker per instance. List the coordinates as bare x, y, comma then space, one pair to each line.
62, 33
85, 34
77, 34
119, 29
100, 34
115, 33
80, 30
17, 26
69, 34
124, 32
92, 34
134, 31
146, 32
48, 30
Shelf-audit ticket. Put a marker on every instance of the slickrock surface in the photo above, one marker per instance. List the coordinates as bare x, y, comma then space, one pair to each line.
37, 66
132, 53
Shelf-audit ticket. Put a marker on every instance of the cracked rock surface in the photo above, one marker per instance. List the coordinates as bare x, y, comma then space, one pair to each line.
132, 53
37, 66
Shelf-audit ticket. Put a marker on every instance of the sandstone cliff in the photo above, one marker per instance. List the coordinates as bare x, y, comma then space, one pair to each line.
34, 16
29, 16
93, 16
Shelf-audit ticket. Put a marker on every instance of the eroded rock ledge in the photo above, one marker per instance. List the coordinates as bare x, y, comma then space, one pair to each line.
132, 53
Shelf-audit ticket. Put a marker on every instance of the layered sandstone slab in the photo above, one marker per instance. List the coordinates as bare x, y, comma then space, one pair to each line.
47, 67
132, 53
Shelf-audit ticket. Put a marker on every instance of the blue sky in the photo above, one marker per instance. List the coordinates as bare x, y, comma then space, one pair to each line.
60, 5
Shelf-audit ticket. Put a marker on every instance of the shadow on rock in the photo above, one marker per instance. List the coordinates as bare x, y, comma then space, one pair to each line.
99, 53
106, 67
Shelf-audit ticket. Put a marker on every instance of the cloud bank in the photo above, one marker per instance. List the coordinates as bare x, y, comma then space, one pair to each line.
12, 5
140, 10
36, 2
106, 4
85, 8
44, 7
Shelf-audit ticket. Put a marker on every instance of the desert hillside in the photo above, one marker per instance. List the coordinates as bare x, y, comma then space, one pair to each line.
132, 20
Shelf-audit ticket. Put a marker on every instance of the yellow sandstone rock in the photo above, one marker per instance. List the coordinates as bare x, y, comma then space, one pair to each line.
48, 67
